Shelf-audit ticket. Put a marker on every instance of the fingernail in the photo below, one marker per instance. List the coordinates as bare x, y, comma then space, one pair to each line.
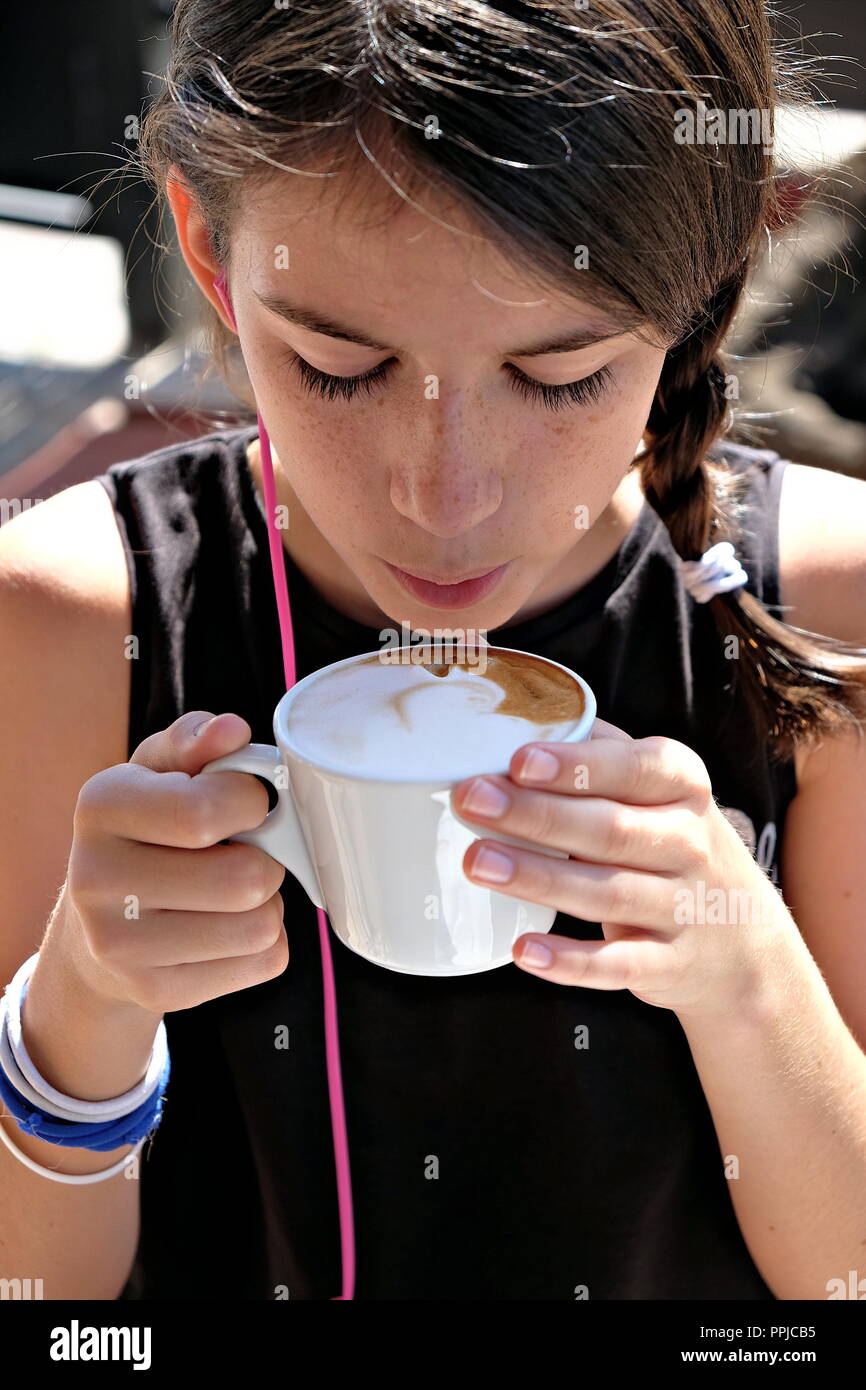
535, 954
205, 724
540, 766
486, 798
492, 866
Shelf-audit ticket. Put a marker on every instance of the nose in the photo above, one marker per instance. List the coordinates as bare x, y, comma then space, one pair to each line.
449, 481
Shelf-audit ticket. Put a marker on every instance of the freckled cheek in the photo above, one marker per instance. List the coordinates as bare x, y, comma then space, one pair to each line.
334, 467
572, 449
579, 458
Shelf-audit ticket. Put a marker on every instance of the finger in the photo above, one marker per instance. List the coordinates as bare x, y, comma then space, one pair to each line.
635, 964
185, 746
224, 878
592, 892
178, 984
171, 808
181, 938
590, 827
640, 771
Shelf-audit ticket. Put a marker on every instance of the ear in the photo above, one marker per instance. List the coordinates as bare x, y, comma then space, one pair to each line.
194, 241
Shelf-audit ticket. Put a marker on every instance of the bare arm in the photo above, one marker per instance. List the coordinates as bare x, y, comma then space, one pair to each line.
64, 701
787, 1085
79, 1240
210, 914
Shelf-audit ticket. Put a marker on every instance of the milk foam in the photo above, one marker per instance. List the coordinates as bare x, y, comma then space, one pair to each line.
375, 718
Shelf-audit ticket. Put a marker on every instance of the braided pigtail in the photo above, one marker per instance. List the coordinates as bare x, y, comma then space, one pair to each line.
797, 685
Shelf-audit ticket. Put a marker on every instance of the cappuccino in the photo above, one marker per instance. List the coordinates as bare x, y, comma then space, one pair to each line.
432, 719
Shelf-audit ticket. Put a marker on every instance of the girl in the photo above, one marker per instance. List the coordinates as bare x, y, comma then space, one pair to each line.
479, 268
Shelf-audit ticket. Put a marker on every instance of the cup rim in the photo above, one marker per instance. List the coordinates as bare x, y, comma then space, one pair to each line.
576, 735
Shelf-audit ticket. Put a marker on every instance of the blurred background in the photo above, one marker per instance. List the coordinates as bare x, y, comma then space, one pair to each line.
101, 357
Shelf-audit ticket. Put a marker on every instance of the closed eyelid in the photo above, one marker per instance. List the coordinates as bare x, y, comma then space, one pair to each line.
579, 353
580, 371
580, 362
599, 371
555, 397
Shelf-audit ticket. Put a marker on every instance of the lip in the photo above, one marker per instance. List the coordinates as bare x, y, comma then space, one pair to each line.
450, 595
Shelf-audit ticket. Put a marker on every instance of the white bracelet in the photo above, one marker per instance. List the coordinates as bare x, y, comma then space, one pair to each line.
20, 1069
76, 1178
10, 1068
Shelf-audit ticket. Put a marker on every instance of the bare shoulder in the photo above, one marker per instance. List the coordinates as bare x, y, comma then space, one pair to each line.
65, 611
822, 568
67, 546
822, 552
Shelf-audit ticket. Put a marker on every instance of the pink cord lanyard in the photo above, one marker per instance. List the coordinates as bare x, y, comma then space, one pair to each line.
332, 1041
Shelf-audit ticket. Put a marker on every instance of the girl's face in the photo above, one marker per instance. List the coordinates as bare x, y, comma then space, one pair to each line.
454, 454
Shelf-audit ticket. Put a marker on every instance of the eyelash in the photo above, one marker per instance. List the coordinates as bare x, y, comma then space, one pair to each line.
590, 388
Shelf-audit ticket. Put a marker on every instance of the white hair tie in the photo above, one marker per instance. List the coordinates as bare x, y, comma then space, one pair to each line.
717, 572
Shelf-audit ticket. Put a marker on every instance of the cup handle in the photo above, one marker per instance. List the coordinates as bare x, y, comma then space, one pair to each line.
280, 834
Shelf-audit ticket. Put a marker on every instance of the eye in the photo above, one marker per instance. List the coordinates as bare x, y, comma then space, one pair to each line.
331, 387
589, 388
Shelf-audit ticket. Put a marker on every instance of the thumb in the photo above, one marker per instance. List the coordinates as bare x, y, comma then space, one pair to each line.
192, 741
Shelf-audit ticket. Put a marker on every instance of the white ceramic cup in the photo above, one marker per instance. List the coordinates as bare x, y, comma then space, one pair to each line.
383, 854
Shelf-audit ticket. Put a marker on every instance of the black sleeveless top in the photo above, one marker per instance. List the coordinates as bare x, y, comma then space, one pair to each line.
559, 1167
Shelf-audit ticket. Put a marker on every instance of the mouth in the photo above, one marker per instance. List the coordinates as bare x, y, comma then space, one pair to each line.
450, 594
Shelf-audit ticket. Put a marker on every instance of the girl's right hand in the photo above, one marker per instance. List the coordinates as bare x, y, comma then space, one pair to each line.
162, 914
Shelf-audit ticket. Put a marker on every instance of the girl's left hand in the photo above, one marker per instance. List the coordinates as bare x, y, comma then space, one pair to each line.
690, 919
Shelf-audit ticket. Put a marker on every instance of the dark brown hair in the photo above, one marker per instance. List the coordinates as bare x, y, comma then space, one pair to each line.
554, 125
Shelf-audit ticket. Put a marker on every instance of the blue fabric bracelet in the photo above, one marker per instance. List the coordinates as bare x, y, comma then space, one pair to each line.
70, 1134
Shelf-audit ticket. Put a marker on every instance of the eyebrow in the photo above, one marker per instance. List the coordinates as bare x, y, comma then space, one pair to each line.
314, 322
